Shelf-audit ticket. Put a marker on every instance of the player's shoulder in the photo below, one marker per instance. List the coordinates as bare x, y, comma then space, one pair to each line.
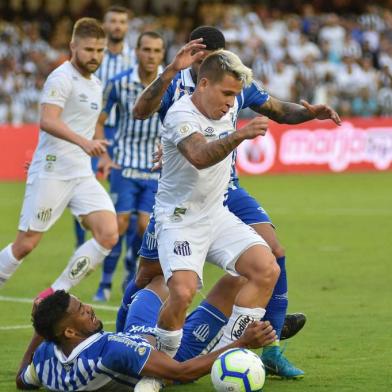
44, 352
182, 109
63, 71
122, 75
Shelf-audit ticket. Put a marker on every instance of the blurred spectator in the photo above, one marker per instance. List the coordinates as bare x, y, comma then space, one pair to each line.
365, 104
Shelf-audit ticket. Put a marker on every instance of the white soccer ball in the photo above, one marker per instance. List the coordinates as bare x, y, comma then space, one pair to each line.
238, 370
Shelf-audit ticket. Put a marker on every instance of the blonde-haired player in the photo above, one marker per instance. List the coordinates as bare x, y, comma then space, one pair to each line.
60, 174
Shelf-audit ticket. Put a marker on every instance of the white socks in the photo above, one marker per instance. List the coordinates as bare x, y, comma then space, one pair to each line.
86, 258
238, 321
8, 264
168, 341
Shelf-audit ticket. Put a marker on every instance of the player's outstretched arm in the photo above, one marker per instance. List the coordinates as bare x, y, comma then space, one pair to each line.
257, 334
293, 113
150, 99
51, 122
202, 154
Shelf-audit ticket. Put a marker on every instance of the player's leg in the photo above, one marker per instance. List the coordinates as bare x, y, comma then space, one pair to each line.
80, 233
182, 250
123, 192
44, 202
250, 212
238, 249
92, 204
133, 243
145, 205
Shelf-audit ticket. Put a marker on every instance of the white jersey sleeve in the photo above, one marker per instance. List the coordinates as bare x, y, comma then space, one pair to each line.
180, 126
57, 90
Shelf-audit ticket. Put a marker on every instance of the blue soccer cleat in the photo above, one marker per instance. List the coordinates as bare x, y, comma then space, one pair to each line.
276, 364
103, 293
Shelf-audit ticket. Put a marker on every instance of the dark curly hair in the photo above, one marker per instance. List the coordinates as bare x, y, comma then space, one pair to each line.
212, 37
50, 311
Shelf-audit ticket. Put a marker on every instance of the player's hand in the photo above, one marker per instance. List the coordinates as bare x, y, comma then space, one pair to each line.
322, 112
188, 54
95, 147
105, 164
258, 126
157, 158
258, 334
26, 166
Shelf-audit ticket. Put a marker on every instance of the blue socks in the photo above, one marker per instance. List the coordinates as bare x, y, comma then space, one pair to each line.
110, 263
80, 233
277, 306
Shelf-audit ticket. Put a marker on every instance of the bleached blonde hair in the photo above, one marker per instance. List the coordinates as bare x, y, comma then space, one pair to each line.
215, 65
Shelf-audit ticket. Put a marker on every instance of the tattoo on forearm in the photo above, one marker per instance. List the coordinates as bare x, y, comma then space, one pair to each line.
284, 112
155, 90
203, 154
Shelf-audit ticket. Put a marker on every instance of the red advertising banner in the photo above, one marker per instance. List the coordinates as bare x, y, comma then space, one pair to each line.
359, 144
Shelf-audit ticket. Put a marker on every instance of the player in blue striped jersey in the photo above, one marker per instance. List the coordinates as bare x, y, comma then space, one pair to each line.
78, 355
118, 57
179, 78
132, 184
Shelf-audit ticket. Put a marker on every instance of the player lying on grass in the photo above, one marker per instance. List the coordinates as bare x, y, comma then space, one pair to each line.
78, 355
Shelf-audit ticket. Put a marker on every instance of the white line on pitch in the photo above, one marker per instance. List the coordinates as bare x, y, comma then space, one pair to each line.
30, 301
12, 327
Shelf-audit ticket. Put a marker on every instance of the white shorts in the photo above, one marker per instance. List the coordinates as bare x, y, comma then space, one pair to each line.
46, 199
220, 239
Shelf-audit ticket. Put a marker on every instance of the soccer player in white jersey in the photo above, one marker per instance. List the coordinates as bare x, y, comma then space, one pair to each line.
78, 355
118, 56
60, 174
192, 223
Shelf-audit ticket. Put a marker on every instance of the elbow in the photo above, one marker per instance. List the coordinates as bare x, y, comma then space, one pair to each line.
138, 113
18, 382
198, 162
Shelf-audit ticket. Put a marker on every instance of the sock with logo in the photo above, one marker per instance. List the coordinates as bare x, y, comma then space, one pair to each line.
143, 312
277, 306
168, 341
202, 331
85, 259
8, 264
238, 321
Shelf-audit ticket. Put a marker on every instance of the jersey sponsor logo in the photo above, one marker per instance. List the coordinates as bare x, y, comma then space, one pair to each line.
223, 134
51, 158
44, 214
94, 105
79, 267
140, 329
182, 248
240, 325
209, 131
201, 332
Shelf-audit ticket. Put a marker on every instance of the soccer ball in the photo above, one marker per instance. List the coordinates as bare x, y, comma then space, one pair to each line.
238, 370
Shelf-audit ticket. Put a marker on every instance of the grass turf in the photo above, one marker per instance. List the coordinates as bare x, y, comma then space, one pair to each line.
336, 230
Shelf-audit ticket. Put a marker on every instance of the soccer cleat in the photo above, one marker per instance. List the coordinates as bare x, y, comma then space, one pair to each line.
276, 364
148, 384
293, 323
103, 293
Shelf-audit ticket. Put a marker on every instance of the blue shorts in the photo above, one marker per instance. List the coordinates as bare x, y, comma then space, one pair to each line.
130, 194
239, 202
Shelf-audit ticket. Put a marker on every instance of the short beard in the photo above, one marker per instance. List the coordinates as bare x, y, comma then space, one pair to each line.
115, 40
84, 66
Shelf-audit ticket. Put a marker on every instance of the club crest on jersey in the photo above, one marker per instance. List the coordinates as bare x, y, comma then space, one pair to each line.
240, 325
141, 350
44, 214
185, 129
182, 248
79, 267
201, 332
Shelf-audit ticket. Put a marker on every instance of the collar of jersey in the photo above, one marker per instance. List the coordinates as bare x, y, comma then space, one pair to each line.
186, 77
77, 350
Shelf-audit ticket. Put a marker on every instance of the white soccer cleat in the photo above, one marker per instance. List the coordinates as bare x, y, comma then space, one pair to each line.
149, 384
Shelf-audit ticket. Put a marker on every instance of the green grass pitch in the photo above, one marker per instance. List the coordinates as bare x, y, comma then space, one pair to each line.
336, 230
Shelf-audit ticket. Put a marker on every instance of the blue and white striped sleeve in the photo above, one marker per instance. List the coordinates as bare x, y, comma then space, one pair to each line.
109, 96
254, 95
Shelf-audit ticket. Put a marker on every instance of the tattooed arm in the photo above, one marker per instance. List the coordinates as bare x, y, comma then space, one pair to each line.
293, 113
150, 99
202, 154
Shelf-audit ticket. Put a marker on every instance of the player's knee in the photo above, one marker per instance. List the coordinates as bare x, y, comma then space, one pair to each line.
107, 238
264, 271
182, 296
